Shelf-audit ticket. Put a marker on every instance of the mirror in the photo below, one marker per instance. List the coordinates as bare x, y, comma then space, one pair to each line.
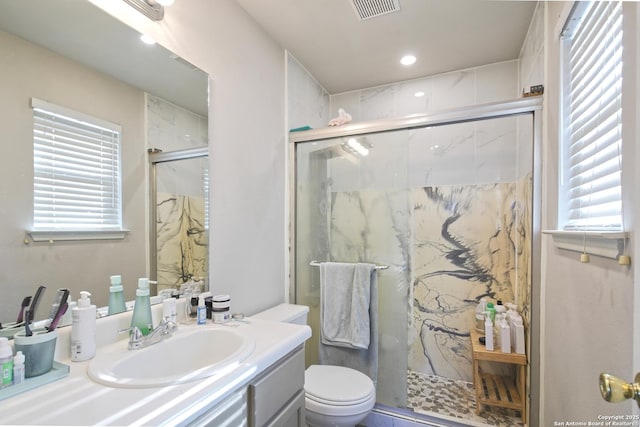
73, 54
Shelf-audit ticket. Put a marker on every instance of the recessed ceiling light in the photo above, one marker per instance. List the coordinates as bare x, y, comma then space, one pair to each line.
147, 39
408, 60
418, 94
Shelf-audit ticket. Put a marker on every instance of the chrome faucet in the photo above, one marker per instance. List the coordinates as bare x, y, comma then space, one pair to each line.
164, 330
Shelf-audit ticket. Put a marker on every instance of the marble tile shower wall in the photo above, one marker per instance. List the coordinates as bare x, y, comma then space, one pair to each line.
170, 127
307, 100
479, 85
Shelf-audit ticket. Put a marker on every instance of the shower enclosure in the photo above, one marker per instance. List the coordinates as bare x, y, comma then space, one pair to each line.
179, 194
448, 202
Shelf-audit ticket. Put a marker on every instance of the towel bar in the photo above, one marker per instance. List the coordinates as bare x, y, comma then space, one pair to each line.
378, 267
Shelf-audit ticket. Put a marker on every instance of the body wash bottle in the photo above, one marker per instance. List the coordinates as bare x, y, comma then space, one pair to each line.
142, 308
116, 297
83, 329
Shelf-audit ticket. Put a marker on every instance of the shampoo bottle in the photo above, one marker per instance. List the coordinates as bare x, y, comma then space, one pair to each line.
488, 332
116, 297
83, 329
6, 363
505, 335
518, 343
142, 308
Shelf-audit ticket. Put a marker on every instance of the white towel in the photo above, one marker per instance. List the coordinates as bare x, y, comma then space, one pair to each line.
344, 304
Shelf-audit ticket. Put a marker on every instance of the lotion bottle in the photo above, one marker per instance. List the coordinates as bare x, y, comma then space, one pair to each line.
116, 297
142, 308
83, 329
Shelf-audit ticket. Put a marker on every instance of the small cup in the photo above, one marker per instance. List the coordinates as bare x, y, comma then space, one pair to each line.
38, 350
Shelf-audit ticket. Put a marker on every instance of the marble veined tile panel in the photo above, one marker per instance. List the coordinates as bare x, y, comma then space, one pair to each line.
182, 239
462, 250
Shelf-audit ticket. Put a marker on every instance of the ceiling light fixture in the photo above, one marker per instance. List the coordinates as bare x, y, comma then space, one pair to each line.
147, 39
419, 94
149, 8
165, 2
408, 60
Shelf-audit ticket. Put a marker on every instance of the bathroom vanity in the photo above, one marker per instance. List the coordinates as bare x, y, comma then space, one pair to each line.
265, 388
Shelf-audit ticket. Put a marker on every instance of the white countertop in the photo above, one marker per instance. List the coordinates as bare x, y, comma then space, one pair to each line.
78, 400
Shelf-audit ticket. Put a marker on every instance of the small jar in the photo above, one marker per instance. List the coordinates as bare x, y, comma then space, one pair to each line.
220, 306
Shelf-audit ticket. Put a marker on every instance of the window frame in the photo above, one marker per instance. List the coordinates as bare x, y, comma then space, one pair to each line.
113, 229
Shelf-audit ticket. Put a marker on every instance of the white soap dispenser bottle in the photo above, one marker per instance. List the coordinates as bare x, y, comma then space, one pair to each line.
83, 329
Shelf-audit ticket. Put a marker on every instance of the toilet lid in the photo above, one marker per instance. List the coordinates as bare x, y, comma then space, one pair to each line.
337, 385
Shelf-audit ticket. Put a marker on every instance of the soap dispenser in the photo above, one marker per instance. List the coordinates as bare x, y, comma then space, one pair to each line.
142, 308
83, 329
116, 297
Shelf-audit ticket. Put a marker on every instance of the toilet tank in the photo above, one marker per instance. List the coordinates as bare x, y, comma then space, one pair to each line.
287, 313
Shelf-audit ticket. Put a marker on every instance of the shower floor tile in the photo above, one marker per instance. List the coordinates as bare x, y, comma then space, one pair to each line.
454, 398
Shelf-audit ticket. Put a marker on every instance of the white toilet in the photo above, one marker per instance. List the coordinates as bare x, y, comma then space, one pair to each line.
334, 395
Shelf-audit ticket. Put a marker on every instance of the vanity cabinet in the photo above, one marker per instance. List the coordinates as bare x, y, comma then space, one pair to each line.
232, 411
276, 396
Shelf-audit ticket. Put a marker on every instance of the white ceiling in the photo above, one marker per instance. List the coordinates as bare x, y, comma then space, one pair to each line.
344, 53
82, 32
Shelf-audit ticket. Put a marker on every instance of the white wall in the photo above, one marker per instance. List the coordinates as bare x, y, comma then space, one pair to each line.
587, 308
31, 71
247, 141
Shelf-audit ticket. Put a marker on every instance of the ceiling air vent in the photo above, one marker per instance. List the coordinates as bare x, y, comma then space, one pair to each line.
367, 9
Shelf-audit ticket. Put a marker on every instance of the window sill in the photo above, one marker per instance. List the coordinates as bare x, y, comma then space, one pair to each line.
608, 244
67, 235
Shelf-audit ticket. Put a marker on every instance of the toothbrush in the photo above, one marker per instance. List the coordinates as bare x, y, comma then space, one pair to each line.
27, 329
61, 298
34, 304
57, 316
25, 303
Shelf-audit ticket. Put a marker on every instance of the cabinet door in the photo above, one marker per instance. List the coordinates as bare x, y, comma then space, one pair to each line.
276, 389
292, 415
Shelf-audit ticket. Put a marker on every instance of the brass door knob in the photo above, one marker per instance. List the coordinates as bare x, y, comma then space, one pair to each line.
614, 389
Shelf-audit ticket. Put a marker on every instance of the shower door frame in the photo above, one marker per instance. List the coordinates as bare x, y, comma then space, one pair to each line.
533, 106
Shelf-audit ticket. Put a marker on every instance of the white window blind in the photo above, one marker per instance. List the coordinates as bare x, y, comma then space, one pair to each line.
76, 171
593, 120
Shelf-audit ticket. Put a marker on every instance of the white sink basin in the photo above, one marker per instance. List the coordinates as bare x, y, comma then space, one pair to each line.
188, 355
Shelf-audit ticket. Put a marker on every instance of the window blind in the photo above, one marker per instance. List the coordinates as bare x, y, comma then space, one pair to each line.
593, 153
76, 170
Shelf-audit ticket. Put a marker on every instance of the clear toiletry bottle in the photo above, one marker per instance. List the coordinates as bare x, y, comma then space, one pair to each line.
202, 311
116, 296
18, 368
83, 329
6, 363
142, 308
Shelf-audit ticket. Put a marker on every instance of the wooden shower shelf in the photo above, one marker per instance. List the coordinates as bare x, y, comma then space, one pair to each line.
496, 390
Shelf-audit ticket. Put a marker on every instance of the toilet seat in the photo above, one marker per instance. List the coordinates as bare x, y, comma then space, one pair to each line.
338, 391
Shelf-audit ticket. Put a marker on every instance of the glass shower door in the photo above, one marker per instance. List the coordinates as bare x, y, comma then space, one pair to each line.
448, 208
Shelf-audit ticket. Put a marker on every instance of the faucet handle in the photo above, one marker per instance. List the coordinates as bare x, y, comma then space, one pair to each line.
136, 334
